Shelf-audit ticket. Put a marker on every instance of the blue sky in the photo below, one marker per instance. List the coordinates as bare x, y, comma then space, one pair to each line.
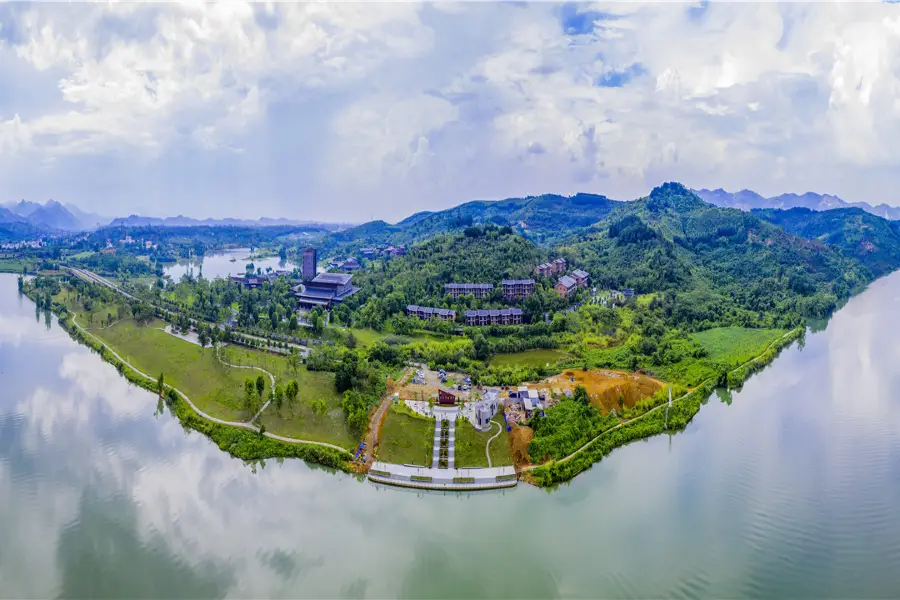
352, 111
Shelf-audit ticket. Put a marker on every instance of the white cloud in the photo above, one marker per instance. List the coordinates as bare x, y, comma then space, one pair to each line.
420, 106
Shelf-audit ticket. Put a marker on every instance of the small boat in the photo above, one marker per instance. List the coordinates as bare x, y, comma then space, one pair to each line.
233, 259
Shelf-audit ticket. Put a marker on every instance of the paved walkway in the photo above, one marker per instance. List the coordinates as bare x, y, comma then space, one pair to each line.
449, 417
459, 480
487, 446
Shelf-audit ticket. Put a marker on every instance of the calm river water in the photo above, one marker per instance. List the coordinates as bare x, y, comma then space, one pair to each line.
220, 265
790, 488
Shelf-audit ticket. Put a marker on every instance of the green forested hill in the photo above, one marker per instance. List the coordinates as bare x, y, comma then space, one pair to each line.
543, 219
717, 260
874, 241
713, 266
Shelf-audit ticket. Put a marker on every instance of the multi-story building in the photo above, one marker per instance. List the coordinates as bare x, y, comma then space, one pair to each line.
549, 269
479, 290
425, 313
559, 266
324, 290
516, 289
309, 263
581, 277
503, 316
566, 286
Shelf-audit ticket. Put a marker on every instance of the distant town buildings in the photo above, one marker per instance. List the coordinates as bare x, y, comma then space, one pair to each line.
503, 316
309, 263
516, 289
351, 264
479, 290
551, 268
425, 313
324, 290
252, 281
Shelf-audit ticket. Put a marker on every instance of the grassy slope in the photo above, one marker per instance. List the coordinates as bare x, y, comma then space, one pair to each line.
732, 346
470, 446
529, 358
406, 438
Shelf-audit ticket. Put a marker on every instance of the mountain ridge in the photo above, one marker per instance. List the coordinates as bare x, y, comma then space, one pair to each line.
749, 200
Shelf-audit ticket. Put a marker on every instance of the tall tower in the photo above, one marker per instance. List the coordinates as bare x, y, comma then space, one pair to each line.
309, 263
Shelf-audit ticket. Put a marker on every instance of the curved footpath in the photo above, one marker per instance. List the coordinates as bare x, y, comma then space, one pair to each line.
652, 410
244, 425
487, 446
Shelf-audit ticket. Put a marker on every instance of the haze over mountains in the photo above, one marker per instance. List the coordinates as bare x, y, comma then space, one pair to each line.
750, 200
533, 214
26, 216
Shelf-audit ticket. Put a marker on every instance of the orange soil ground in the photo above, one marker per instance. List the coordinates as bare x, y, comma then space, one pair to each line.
604, 387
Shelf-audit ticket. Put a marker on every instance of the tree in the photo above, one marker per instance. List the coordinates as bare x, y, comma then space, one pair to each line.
203, 337
319, 407
279, 396
160, 383
249, 390
482, 347
292, 323
291, 391
260, 385
581, 395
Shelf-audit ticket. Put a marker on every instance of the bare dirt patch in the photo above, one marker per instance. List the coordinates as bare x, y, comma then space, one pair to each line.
519, 438
605, 387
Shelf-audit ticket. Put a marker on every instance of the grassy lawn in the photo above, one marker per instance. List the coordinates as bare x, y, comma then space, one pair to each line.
14, 265
366, 337
299, 420
218, 389
213, 387
406, 438
470, 445
733, 346
529, 358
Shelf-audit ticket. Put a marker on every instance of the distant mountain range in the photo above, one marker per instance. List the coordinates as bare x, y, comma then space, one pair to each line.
25, 217
749, 200
182, 221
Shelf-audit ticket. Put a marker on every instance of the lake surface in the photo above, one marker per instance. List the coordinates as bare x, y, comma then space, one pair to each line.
220, 265
789, 488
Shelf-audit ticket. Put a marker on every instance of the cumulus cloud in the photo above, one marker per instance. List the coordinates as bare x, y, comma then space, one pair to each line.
417, 106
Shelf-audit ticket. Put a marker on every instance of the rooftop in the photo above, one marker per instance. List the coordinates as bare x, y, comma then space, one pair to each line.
567, 281
333, 278
517, 281
580, 273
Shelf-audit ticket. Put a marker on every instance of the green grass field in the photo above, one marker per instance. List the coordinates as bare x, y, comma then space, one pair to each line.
14, 265
733, 346
470, 446
529, 358
218, 389
406, 438
213, 387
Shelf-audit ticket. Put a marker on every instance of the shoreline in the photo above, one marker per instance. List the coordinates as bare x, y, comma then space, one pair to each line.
246, 442
241, 440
